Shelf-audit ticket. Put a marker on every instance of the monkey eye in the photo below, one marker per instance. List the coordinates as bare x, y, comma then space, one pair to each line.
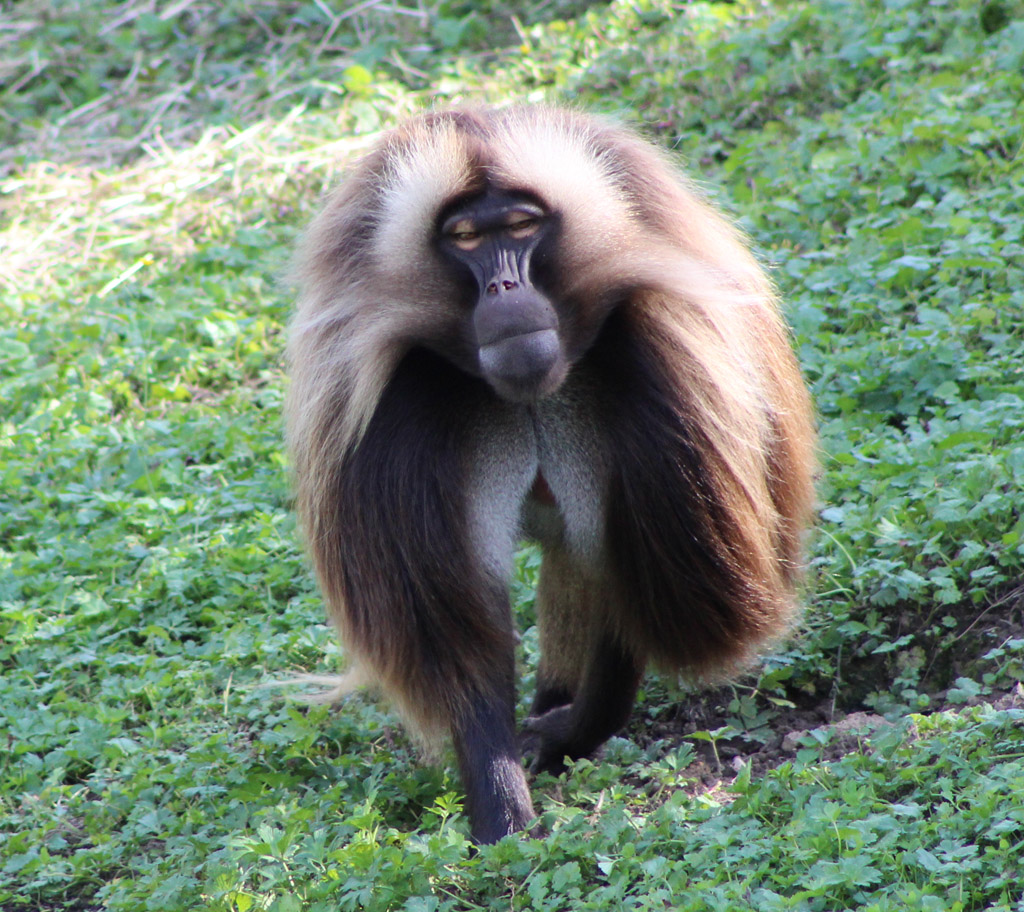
522, 226
463, 234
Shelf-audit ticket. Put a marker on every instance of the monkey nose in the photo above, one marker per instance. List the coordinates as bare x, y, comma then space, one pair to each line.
505, 285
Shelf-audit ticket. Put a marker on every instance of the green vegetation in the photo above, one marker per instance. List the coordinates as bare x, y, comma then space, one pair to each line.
156, 163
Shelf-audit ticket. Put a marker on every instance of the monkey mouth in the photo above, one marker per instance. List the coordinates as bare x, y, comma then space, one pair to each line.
524, 367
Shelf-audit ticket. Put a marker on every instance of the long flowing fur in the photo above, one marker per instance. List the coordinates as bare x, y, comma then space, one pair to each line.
680, 449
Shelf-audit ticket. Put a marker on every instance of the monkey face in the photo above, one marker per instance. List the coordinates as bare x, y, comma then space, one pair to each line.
514, 327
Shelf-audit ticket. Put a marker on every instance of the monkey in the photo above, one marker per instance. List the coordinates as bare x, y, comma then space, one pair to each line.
522, 323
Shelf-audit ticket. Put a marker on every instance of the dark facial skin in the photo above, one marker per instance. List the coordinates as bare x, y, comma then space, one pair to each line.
514, 325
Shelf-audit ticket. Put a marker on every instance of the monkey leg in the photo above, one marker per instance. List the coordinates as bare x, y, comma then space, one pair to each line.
564, 616
600, 708
568, 606
587, 680
490, 763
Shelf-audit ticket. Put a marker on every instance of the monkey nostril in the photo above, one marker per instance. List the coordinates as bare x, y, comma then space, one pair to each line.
505, 285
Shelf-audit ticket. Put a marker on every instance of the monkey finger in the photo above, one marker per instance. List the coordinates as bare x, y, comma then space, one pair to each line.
545, 739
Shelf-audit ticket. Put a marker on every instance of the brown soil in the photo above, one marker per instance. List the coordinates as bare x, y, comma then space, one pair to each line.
842, 722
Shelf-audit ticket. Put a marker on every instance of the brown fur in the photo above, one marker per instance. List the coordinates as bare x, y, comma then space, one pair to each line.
677, 453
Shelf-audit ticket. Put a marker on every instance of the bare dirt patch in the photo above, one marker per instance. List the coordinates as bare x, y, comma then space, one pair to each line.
843, 721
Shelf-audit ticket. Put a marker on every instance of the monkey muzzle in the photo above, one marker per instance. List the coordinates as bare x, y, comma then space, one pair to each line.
517, 339
514, 325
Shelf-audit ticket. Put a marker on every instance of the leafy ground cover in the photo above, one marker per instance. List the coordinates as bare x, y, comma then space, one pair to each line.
155, 166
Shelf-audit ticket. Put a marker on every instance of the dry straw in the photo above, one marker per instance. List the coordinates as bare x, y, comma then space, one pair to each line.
136, 176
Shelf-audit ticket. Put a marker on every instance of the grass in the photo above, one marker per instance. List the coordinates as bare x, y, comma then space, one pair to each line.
155, 167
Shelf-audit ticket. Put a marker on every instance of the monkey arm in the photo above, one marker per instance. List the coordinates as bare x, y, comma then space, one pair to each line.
420, 605
490, 763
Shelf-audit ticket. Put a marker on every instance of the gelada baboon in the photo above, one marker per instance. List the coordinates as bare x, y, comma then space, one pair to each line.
521, 323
